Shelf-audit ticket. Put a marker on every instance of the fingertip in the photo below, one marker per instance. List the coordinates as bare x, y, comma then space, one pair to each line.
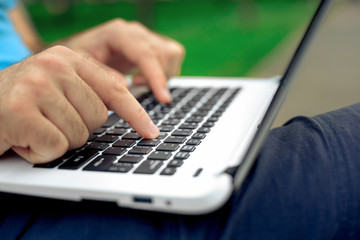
163, 95
154, 131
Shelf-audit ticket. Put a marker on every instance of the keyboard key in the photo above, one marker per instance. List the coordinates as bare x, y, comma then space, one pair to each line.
203, 130
124, 143
149, 142
99, 131
132, 136
116, 131
162, 135
98, 145
160, 155
166, 128
78, 160
123, 125
169, 171
182, 132
149, 167
201, 113
168, 147
92, 137
51, 164
131, 158
188, 148
69, 154
217, 114
193, 142
185, 109
222, 108
120, 167
171, 122
207, 107
140, 150
187, 125
213, 119
198, 136
157, 116
151, 105
191, 104
208, 124
165, 109
101, 163
175, 163
106, 138
182, 155
174, 139
194, 119
178, 116
114, 151
112, 119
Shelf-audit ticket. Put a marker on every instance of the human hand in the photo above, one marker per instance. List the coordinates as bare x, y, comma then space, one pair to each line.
50, 102
125, 46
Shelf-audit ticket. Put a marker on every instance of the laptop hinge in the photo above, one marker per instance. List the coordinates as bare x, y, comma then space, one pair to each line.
231, 171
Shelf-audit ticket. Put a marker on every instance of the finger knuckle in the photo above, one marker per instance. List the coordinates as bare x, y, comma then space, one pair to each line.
137, 24
59, 49
116, 87
178, 49
37, 86
50, 61
116, 23
15, 107
174, 49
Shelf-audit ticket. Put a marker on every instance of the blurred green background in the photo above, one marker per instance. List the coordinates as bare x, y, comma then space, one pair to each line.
221, 37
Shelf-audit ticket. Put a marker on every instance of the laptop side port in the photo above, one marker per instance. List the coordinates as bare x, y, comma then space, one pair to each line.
142, 200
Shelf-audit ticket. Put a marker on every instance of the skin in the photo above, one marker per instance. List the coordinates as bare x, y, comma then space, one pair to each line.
53, 100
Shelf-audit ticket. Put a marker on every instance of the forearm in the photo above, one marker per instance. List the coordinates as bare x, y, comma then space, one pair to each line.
26, 29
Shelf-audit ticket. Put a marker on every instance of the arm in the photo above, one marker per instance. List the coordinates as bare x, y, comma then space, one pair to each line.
26, 29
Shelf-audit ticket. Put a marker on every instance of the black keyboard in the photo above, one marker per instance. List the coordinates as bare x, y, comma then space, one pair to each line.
183, 124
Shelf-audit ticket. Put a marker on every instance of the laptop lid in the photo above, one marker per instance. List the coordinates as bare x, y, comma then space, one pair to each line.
286, 80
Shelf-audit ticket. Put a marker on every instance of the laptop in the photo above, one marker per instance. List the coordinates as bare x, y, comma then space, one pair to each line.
210, 136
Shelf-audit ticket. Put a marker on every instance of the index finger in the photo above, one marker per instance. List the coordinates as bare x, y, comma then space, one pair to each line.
116, 96
152, 70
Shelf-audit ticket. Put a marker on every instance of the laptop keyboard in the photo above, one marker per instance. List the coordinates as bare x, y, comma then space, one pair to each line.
183, 125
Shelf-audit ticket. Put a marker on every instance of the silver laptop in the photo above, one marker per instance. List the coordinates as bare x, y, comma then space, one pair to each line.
210, 136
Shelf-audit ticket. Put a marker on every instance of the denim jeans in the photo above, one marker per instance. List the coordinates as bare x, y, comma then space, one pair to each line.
304, 185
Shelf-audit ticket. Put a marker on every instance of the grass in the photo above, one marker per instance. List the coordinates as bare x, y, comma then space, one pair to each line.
222, 38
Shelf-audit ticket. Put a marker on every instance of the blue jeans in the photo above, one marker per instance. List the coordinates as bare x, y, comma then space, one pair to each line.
304, 185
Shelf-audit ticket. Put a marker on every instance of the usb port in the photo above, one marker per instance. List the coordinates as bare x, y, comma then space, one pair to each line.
142, 200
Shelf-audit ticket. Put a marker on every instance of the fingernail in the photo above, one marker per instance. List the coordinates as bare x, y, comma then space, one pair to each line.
154, 131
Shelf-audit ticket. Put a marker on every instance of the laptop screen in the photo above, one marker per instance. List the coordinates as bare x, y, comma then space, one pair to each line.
286, 23
315, 19
254, 38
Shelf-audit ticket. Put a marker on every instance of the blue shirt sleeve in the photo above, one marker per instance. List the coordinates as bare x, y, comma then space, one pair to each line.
10, 3
12, 48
